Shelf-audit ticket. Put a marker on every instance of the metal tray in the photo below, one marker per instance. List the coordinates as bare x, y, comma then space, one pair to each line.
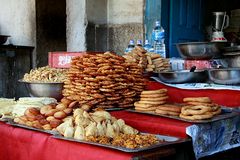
226, 113
168, 141
31, 128
5, 119
115, 109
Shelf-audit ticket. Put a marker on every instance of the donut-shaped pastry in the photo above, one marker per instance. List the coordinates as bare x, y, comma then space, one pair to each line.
195, 110
197, 99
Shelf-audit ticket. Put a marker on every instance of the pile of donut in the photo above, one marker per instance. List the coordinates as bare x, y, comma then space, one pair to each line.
150, 100
103, 81
47, 117
151, 62
194, 108
199, 108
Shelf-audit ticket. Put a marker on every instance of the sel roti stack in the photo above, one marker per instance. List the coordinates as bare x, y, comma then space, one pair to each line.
150, 100
151, 62
103, 81
199, 108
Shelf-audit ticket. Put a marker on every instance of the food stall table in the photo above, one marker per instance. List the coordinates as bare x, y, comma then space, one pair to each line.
18, 143
21, 144
225, 97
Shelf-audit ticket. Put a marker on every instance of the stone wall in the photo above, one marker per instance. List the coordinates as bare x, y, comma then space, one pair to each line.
76, 25
18, 19
112, 23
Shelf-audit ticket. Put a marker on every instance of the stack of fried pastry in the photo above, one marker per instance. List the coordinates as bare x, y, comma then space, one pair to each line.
199, 108
137, 55
48, 116
147, 60
157, 63
169, 109
150, 100
103, 81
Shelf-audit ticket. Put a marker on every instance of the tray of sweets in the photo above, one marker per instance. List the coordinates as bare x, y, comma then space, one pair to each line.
163, 141
225, 113
31, 128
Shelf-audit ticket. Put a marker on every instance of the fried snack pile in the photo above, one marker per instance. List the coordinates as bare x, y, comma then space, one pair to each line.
45, 74
27, 102
199, 108
99, 123
47, 117
150, 100
157, 63
131, 141
104, 81
137, 55
169, 109
151, 62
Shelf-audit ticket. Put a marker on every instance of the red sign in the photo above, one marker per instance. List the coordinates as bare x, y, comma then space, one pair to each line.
63, 59
200, 64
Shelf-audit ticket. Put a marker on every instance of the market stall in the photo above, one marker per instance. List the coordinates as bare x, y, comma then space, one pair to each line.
106, 105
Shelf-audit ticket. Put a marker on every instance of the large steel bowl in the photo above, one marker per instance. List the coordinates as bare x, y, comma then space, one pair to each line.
183, 76
38, 89
200, 50
225, 76
232, 59
3, 39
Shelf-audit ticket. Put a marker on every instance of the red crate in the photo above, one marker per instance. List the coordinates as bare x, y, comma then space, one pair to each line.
63, 59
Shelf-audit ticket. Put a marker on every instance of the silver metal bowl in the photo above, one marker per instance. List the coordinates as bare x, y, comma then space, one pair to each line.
183, 76
38, 89
225, 76
3, 39
232, 59
200, 50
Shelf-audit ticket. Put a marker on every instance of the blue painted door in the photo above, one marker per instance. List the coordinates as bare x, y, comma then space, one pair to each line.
185, 24
181, 19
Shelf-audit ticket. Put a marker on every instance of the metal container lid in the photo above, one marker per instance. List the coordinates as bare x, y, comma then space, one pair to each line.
232, 49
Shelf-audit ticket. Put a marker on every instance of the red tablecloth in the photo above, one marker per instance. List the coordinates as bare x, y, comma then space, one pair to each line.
154, 124
22, 144
228, 98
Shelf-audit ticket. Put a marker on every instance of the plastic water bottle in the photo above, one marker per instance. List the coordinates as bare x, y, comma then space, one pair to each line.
160, 48
139, 42
158, 36
130, 46
148, 47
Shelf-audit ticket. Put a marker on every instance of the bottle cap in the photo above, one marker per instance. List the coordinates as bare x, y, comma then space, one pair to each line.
157, 23
139, 41
146, 41
131, 42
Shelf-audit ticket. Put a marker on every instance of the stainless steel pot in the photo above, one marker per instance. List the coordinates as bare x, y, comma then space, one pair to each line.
183, 76
225, 76
200, 50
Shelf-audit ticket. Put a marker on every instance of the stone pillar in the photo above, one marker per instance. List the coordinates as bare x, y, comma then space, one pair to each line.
76, 25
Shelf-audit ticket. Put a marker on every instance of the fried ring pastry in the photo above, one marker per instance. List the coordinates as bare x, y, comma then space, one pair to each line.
154, 99
159, 91
208, 115
197, 99
195, 110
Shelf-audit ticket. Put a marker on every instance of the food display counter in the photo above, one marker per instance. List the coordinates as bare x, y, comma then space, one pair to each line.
98, 92
20, 143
